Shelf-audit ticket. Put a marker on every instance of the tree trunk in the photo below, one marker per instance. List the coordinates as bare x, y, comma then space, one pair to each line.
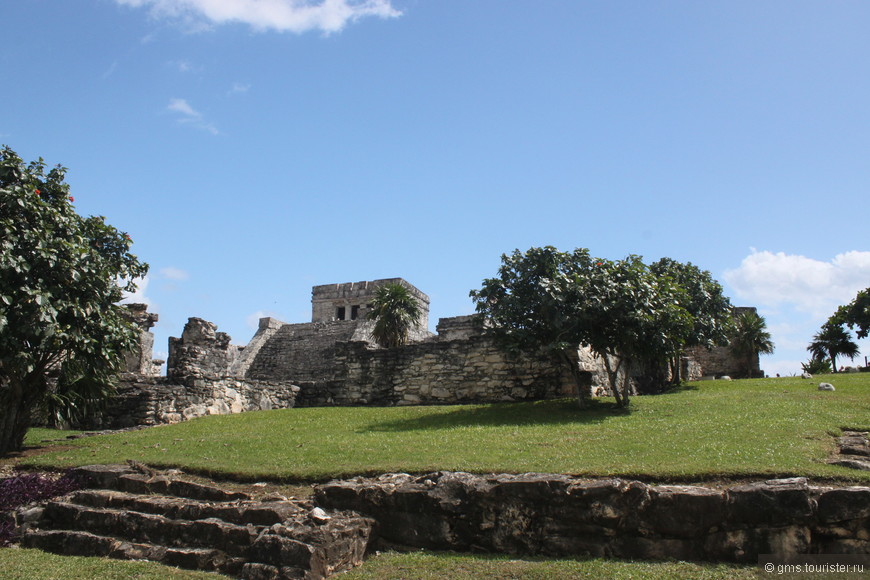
833, 362
613, 378
582, 382
626, 382
16, 409
676, 367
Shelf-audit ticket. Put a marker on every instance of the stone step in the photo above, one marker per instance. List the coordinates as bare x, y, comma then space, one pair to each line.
81, 543
241, 512
134, 480
151, 528
289, 550
134, 512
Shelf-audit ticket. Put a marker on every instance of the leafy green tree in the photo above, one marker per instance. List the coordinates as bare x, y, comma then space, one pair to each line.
558, 301
61, 329
706, 303
832, 341
530, 305
856, 313
749, 338
633, 319
395, 312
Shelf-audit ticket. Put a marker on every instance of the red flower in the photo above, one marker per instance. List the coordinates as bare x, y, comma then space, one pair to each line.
71, 198
37, 192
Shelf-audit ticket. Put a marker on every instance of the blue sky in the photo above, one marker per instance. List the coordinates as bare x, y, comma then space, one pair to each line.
253, 149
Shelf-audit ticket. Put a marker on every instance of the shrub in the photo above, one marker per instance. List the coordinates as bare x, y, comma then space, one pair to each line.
26, 488
817, 366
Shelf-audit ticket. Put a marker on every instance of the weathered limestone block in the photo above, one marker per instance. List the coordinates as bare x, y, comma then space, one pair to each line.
844, 504
778, 502
683, 511
200, 352
155, 400
140, 359
744, 545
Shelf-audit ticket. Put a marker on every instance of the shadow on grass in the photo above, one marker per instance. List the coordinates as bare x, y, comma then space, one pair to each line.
677, 389
558, 412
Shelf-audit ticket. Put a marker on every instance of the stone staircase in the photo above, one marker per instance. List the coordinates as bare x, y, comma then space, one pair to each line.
132, 512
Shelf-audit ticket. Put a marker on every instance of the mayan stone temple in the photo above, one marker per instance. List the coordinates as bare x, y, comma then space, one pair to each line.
332, 360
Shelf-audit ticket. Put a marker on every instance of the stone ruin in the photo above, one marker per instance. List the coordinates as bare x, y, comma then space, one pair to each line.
333, 360
719, 361
139, 359
135, 512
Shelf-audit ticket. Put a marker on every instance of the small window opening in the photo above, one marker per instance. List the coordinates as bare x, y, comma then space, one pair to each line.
339, 313
354, 312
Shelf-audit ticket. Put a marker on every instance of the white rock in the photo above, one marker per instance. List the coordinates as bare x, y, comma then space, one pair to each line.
319, 515
826, 387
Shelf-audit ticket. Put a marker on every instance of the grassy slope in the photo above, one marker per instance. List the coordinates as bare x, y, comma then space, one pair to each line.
762, 428
18, 564
742, 428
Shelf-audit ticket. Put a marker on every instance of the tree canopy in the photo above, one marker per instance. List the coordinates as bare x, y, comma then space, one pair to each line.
832, 341
704, 300
61, 277
395, 312
855, 314
626, 313
749, 338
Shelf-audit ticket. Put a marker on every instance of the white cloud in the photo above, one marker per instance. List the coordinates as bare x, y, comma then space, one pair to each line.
809, 285
137, 297
183, 107
796, 295
190, 116
280, 15
174, 273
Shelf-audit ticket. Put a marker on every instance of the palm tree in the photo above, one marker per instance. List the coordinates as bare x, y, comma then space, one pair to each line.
395, 312
832, 341
749, 339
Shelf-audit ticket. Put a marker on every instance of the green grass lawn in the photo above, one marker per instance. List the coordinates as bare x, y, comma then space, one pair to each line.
710, 429
18, 564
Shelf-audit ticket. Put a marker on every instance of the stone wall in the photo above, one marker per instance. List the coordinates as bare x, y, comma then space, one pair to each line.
457, 327
436, 372
304, 351
720, 361
201, 351
145, 400
563, 516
